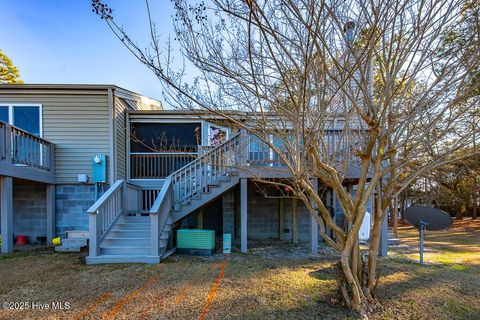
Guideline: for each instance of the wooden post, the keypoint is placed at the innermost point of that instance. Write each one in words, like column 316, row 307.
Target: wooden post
column 243, row 214
column 313, row 225
column 244, row 145
column 50, row 213
column 94, row 236
column 200, row 219
column 154, row 235
column 6, row 211
column 383, row 247
column 281, row 218
column 294, row 221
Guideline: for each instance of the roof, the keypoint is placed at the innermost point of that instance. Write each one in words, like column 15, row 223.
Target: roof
column 121, row 92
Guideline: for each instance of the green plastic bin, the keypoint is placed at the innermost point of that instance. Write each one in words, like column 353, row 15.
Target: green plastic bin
column 196, row 242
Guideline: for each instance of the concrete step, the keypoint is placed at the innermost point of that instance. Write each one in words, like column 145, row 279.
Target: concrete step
column 68, row 248
column 74, row 242
column 124, row 250
column 124, row 241
column 122, row 258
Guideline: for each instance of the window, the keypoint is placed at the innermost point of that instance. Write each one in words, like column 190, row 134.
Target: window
column 24, row 116
column 165, row 137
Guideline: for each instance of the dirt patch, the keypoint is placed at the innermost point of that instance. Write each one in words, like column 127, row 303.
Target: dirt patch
column 275, row 280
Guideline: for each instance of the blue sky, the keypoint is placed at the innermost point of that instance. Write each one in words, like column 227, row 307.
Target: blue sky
column 63, row 41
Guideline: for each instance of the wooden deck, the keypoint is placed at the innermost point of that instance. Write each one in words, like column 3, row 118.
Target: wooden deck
column 28, row 157
column 25, row 156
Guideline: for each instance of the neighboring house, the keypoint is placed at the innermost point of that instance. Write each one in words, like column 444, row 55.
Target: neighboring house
column 165, row 169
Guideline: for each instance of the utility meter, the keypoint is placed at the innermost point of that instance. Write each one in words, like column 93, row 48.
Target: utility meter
column 99, row 168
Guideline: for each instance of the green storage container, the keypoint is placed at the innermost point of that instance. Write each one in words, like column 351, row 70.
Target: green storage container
column 196, row 242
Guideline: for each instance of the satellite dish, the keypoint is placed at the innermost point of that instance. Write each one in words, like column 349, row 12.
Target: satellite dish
column 433, row 218
column 423, row 217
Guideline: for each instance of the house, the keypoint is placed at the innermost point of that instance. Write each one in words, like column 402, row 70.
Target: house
column 110, row 161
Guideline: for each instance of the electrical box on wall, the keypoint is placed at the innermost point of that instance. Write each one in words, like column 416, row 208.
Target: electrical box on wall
column 99, row 168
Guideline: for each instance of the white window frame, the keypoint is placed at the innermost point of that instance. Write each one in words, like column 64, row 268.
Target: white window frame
column 26, row 104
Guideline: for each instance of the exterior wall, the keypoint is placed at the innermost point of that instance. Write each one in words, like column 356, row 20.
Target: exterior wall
column 121, row 137
column 75, row 120
column 72, row 203
column 264, row 217
column 29, row 210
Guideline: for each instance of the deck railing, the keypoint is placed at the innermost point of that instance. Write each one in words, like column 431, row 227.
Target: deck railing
column 19, row 147
column 158, row 165
column 337, row 147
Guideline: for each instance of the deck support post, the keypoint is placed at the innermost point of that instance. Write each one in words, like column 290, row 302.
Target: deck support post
column 6, row 211
column 281, row 218
column 50, row 213
column 313, row 225
column 294, row 221
column 383, row 247
column 243, row 214
column 200, row 219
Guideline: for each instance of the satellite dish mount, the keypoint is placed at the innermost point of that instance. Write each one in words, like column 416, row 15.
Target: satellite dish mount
column 422, row 217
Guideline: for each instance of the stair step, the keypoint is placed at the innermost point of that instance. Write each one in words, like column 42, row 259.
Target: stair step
column 129, row 233
column 124, row 250
column 123, row 258
column 131, row 226
column 133, row 220
column 126, row 241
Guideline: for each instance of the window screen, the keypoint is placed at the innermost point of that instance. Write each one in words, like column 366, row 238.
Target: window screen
column 165, row 137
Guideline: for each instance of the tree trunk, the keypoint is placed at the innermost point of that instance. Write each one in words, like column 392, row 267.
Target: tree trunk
column 395, row 217
column 459, row 213
column 403, row 200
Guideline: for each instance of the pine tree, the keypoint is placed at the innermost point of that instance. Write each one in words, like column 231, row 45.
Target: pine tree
column 8, row 72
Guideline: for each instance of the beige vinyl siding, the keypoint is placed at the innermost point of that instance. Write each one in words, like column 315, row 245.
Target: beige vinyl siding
column 127, row 101
column 75, row 121
column 120, row 136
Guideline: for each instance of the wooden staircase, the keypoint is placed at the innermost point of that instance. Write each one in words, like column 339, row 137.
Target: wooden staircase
column 122, row 230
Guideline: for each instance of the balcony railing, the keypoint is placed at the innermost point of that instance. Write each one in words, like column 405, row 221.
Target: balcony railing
column 336, row 149
column 158, row 165
column 20, row 148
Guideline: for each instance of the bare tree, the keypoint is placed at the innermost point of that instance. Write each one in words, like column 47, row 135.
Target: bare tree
column 295, row 69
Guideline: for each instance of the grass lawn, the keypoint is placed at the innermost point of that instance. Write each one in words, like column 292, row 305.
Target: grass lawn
column 273, row 281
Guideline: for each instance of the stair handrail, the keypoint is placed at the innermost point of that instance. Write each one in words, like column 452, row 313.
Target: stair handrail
column 103, row 214
column 199, row 174
column 159, row 212
column 165, row 200
column 206, row 154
